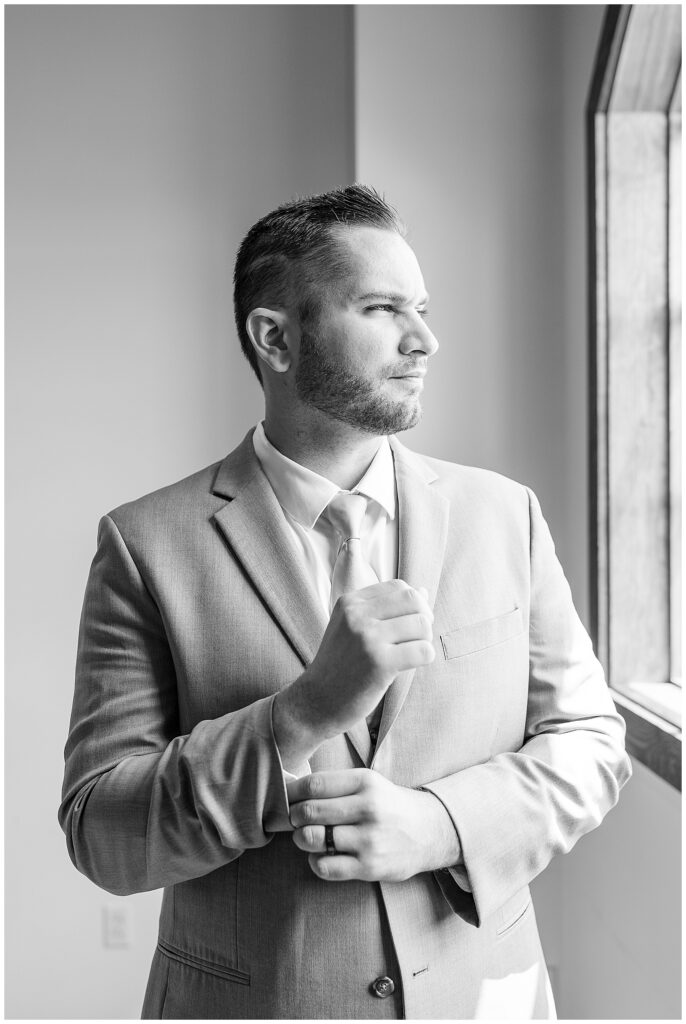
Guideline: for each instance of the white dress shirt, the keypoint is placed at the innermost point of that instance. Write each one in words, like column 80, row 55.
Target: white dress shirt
column 304, row 495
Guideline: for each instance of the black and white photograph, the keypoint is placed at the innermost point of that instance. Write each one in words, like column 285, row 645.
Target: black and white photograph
column 343, row 512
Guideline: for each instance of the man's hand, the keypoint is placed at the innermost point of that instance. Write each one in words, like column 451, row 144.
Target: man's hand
column 383, row 832
column 373, row 635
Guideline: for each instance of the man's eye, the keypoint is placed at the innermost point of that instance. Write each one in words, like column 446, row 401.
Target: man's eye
column 381, row 305
column 423, row 313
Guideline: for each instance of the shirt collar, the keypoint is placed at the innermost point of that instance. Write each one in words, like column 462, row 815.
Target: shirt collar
column 305, row 494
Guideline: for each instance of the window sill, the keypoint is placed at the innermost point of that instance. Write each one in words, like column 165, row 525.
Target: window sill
column 651, row 739
column 662, row 699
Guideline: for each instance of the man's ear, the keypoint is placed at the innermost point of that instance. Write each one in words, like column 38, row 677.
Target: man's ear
column 267, row 330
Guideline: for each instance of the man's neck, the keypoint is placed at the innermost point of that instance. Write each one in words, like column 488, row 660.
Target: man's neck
column 335, row 450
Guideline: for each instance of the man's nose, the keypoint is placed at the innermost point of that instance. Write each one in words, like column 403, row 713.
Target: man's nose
column 419, row 339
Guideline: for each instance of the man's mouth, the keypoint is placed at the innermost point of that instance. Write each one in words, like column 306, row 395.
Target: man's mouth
column 410, row 375
column 411, row 379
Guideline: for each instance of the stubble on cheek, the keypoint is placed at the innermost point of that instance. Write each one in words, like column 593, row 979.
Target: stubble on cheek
column 349, row 396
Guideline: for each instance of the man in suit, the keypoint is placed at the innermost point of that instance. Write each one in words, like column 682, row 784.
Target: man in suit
column 332, row 695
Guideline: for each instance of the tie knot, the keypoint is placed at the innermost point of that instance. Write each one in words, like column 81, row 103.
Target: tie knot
column 345, row 512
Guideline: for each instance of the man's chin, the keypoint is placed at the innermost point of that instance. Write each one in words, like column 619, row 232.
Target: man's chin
column 392, row 420
column 365, row 412
column 408, row 421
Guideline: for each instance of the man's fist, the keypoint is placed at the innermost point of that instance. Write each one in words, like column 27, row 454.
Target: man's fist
column 373, row 635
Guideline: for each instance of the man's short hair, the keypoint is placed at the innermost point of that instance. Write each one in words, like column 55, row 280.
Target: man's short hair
column 293, row 249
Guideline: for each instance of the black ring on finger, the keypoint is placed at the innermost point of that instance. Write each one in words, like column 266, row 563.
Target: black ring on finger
column 331, row 850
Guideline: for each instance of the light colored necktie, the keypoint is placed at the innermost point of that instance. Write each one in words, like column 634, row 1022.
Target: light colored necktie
column 351, row 570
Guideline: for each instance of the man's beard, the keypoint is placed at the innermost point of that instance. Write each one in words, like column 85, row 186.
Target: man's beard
column 351, row 398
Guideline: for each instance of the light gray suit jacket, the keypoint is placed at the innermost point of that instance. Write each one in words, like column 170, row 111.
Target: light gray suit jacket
column 195, row 614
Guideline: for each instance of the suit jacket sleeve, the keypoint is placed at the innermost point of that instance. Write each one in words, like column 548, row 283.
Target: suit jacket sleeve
column 516, row 811
column 142, row 806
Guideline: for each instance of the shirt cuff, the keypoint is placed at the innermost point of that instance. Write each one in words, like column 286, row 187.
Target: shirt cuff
column 458, row 871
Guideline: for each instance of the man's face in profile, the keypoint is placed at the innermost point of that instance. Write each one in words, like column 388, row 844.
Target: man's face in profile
column 363, row 358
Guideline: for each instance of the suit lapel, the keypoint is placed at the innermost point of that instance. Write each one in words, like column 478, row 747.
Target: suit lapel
column 422, row 532
column 253, row 523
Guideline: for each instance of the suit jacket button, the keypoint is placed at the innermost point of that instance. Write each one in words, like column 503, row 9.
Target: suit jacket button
column 383, row 987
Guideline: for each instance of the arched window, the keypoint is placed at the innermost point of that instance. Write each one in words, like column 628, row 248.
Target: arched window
column 634, row 130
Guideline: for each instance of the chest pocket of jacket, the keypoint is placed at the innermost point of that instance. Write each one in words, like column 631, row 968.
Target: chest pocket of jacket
column 478, row 636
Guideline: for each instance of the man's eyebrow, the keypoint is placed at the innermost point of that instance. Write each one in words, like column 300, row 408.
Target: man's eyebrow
column 390, row 297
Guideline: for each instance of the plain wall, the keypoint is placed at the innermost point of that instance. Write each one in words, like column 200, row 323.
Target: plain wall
column 471, row 118
column 142, row 142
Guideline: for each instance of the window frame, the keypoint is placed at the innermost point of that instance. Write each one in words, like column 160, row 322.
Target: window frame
column 632, row 116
